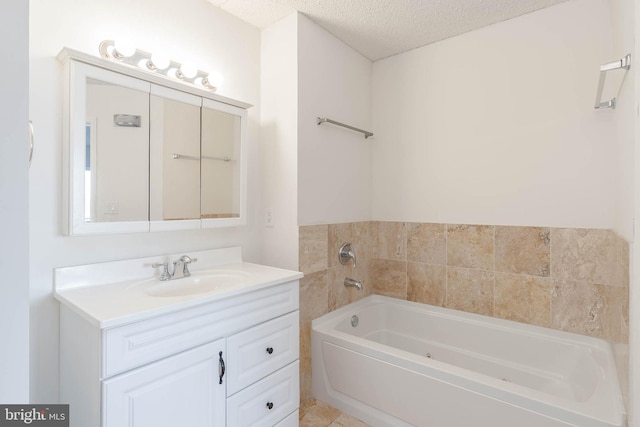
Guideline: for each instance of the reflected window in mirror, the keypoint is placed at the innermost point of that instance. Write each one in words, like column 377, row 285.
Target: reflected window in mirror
column 89, row 129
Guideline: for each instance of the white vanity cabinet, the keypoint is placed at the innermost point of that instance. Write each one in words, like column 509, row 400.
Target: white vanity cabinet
column 228, row 362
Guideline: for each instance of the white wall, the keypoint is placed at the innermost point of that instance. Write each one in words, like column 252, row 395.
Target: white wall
column 497, row 126
column 334, row 164
column 189, row 30
column 14, row 203
column 311, row 174
column 622, row 14
column 279, row 141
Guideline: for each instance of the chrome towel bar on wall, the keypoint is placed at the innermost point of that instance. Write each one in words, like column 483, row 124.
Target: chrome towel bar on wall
column 321, row 120
column 624, row 63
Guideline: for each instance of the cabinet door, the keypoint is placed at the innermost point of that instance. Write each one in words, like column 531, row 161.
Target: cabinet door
column 107, row 153
column 174, row 159
column 182, row 390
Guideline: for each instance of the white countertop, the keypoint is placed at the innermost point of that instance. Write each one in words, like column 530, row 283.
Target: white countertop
column 87, row 290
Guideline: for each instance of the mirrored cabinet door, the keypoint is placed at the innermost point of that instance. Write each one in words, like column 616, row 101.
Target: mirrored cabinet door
column 117, row 149
column 222, row 165
column 220, row 168
column 109, row 167
column 174, row 159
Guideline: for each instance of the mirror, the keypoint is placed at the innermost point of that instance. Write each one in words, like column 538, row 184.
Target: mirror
column 145, row 157
column 220, row 165
column 117, row 153
column 175, row 156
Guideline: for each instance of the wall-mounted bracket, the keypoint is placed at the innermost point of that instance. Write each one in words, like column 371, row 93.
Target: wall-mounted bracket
column 624, row 63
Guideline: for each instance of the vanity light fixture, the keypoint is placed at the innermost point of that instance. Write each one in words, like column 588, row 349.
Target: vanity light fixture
column 158, row 63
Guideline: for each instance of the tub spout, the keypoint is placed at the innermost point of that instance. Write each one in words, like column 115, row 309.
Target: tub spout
column 352, row 283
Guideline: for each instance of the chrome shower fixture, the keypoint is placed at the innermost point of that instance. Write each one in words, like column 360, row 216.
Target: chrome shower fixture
column 347, row 254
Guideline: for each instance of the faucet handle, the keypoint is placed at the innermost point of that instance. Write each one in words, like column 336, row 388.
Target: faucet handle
column 347, row 253
column 165, row 275
column 186, row 260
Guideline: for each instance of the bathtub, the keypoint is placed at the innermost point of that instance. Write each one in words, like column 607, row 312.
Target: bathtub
column 411, row 364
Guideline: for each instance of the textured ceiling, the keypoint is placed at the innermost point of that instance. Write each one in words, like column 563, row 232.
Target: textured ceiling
column 381, row 28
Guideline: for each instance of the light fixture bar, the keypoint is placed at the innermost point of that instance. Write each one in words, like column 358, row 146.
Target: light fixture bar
column 149, row 62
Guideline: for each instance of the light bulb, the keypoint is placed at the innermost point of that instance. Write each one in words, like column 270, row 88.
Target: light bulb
column 216, row 79
column 124, row 49
column 189, row 71
column 160, row 61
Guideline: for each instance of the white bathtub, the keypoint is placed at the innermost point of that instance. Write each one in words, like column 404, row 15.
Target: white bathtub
column 414, row 364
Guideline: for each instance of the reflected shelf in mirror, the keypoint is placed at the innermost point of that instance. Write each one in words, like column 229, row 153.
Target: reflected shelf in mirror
column 176, row 156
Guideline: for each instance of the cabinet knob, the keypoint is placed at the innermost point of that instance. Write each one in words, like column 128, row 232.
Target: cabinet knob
column 269, row 405
column 269, row 350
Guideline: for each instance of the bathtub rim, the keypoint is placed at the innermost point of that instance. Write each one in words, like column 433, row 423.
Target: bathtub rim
column 612, row 412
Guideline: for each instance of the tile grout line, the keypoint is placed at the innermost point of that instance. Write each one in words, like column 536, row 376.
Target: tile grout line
column 446, row 265
column 406, row 261
column 493, row 311
column 550, row 290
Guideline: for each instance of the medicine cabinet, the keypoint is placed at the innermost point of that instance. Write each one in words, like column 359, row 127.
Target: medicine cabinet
column 144, row 153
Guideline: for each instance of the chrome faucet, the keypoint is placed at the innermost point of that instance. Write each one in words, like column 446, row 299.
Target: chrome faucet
column 180, row 268
column 352, row 283
column 347, row 253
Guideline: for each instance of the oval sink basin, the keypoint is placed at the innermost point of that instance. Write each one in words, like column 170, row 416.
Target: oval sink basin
column 198, row 283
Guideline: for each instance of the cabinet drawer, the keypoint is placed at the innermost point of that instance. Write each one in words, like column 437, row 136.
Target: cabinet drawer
column 266, row 402
column 139, row 343
column 293, row 420
column 257, row 352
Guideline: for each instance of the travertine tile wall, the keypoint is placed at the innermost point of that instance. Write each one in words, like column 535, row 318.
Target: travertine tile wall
column 574, row 280
column 322, row 288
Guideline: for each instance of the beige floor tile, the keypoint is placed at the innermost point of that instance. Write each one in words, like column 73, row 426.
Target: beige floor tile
column 345, row 420
column 317, row 414
column 314, row 413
